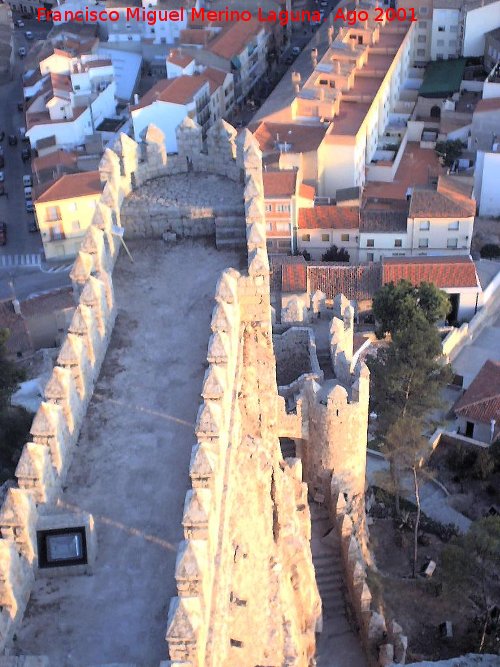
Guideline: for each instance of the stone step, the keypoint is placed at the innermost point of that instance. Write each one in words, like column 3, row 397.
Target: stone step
column 231, row 221
column 230, row 243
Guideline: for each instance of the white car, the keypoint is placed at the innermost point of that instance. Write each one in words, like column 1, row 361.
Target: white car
column 22, row 51
column 2, row 177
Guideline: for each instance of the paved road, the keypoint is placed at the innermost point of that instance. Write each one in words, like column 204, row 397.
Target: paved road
column 31, row 281
column 12, row 208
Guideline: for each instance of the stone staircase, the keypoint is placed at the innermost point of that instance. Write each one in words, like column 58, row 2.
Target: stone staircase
column 337, row 645
column 230, row 231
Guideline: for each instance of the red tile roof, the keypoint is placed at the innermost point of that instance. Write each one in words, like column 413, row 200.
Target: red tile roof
column 294, row 277
column 180, row 90
column 481, row 401
column 449, row 200
column 302, row 138
column 492, row 104
column 234, row 38
column 356, row 282
column 279, row 183
column 329, row 217
column 180, row 58
column 444, row 272
column 70, row 186
column 307, row 191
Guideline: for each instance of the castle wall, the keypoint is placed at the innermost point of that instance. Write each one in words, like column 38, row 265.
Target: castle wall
column 228, row 583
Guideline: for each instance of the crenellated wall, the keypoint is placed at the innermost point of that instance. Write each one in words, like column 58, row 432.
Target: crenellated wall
column 245, row 560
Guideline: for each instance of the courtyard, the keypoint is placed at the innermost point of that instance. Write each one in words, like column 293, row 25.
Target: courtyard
column 130, row 468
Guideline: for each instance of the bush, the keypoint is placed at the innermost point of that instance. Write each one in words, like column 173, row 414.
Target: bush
column 490, row 251
column 484, row 466
column 15, row 425
column 333, row 254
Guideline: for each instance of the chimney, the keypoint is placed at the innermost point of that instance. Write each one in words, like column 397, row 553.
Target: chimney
column 330, row 35
column 136, row 98
column 296, row 82
column 314, row 57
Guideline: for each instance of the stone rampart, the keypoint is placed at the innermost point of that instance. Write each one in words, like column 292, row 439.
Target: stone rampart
column 236, row 459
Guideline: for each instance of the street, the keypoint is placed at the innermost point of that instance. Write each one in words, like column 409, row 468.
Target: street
column 21, row 259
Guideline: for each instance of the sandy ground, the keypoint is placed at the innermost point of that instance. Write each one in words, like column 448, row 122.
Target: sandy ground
column 130, row 469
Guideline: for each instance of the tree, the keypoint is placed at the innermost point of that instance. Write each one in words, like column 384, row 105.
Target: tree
column 468, row 563
column 490, row 251
column 333, row 254
column 404, row 448
column 10, row 374
column 397, row 305
column 407, row 375
column 449, row 151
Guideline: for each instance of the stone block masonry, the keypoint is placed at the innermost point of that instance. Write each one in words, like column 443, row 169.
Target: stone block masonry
column 245, row 560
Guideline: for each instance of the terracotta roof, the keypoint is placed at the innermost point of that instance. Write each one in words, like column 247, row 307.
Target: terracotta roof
column 70, row 186
column 279, row 183
column 218, row 76
column 302, row 138
column 195, row 36
column 276, row 262
column 492, row 104
column 444, row 272
column 52, row 160
column 176, row 91
column 178, row 57
column 294, row 277
column 234, row 38
column 329, row 217
column 380, row 221
column 481, row 401
column 356, row 282
column 307, row 191
column 441, row 204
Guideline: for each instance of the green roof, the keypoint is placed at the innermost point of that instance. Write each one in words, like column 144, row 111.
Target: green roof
column 442, row 78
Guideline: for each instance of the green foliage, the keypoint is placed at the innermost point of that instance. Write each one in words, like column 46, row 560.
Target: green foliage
column 397, row 306
column 490, row 251
column 306, row 255
column 449, row 151
column 15, row 425
column 484, row 465
column 10, row 374
column 406, row 376
column 333, row 254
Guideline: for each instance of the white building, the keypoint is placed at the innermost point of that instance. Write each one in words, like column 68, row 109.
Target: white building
column 485, row 139
column 76, row 95
column 168, row 102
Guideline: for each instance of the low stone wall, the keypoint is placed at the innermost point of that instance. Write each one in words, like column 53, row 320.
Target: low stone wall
column 384, row 643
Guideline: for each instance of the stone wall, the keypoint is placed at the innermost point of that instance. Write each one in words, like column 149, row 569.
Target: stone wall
column 245, row 561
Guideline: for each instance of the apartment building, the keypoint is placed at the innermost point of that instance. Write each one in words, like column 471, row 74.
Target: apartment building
column 350, row 98
column 64, row 209
column 168, row 102
column 74, row 95
column 491, row 49
column 485, row 140
column 181, row 63
column 435, row 221
column 285, row 196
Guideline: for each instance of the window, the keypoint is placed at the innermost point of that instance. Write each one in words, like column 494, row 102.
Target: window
column 53, row 213
column 73, row 206
column 76, row 87
column 344, row 238
column 269, row 208
column 398, row 243
column 75, row 226
column 423, row 11
column 370, row 243
column 423, row 243
column 283, row 208
column 422, row 25
column 420, row 52
column 453, row 226
column 441, row 28
column 440, row 42
column 422, row 39
column 453, row 28
column 452, row 243
column 323, row 82
column 452, row 43
column 439, row 56
column 370, row 256
column 325, row 238
column 306, row 237
column 282, row 227
column 425, row 225
column 269, row 226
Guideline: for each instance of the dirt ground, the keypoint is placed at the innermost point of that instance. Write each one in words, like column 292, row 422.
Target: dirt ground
column 414, row 603
column 486, row 230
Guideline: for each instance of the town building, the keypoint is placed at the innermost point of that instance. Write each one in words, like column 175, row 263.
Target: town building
column 64, row 210
column 478, row 409
column 485, row 140
column 345, row 110
column 323, row 226
column 285, row 198
column 491, row 49
column 73, row 97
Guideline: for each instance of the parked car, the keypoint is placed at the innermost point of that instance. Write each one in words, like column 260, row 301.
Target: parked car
column 296, row 50
column 27, row 181
column 26, row 15
column 29, row 206
column 26, row 154
column 20, row 106
column 19, row 23
column 12, row 140
column 32, row 226
column 27, row 193
column 29, row 35
column 21, row 51
column 2, row 177
column 3, row 233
